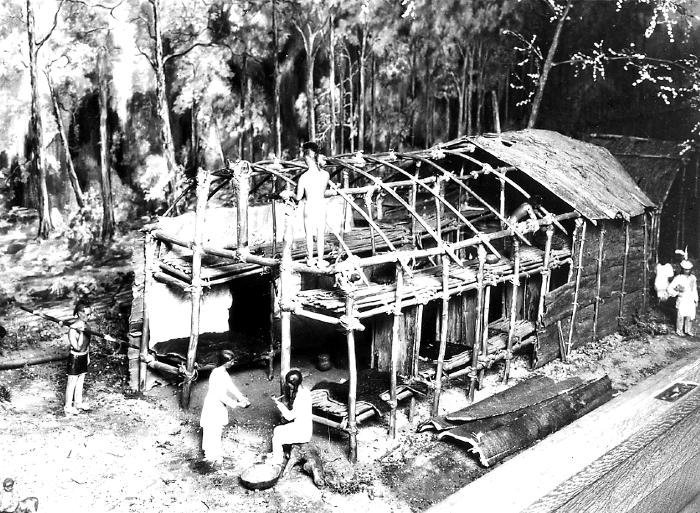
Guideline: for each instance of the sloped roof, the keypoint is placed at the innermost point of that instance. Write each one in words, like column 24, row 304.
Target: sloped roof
column 652, row 163
column 586, row 176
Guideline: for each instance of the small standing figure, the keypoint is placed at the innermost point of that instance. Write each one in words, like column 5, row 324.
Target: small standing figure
column 312, row 188
column 296, row 410
column 222, row 393
column 79, row 339
column 9, row 500
column 684, row 288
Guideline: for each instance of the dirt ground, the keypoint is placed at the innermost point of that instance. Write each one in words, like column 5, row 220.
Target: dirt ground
column 140, row 453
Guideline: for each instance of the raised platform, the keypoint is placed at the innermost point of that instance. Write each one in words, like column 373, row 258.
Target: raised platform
column 636, row 454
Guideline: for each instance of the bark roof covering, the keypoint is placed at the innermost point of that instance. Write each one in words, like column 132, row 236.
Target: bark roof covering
column 652, row 163
column 584, row 175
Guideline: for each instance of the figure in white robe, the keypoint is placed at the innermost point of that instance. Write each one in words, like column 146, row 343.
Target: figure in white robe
column 684, row 288
column 297, row 413
column 222, row 393
column 664, row 274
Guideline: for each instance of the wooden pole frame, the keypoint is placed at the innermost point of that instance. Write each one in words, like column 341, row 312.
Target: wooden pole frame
column 149, row 247
column 285, row 300
column 513, row 307
column 485, row 331
column 417, row 339
column 473, row 375
column 599, row 273
column 645, row 267
column 352, row 367
column 443, row 334
column 395, row 335
column 625, row 263
column 546, row 274
column 579, row 267
column 203, row 179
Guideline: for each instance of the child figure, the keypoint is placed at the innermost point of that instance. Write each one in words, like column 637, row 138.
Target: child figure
column 684, row 288
column 78, row 360
column 9, row 500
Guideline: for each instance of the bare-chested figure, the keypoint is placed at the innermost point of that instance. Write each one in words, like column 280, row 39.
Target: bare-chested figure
column 311, row 188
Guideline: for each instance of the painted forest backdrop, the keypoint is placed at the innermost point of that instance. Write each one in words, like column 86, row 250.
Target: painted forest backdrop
column 105, row 99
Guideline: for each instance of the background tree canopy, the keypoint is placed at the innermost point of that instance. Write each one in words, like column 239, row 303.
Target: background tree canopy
column 131, row 96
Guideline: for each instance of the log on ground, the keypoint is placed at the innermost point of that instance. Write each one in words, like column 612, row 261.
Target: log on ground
column 495, row 438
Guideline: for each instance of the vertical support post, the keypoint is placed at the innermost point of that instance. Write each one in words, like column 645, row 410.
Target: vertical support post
column 513, row 307
column 473, row 375
column 368, row 206
column 575, row 244
column 241, row 175
column 625, row 260
column 149, row 257
column 645, row 268
column 395, row 334
column 416, row 342
column 203, row 179
column 347, row 210
column 443, row 333
column 286, row 291
column 271, row 331
column 502, row 202
column 352, row 391
column 657, row 231
column 599, row 272
column 414, row 195
column 273, row 207
column 485, row 331
column 680, row 230
column 582, row 239
column 546, row 274
column 439, row 207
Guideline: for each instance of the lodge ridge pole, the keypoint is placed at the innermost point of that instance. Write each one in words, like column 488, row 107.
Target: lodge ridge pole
column 203, row 179
column 513, row 307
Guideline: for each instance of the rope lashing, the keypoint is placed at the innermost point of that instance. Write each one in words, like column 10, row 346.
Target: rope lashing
column 349, row 323
column 188, row 376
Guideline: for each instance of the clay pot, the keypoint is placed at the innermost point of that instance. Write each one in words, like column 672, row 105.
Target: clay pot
column 323, row 362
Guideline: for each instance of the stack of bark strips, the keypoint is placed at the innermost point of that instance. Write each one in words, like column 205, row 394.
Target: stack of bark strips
column 518, row 417
column 496, row 349
column 329, row 399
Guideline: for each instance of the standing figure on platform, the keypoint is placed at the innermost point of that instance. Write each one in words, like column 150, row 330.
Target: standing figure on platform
column 312, row 188
column 684, row 288
column 78, row 360
column 296, row 410
column 222, row 393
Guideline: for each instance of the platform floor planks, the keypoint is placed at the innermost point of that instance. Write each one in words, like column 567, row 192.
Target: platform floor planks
column 574, row 461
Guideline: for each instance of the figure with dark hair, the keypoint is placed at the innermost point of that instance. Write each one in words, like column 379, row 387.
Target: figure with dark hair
column 312, row 188
column 78, row 359
column 527, row 209
column 296, row 411
column 9, row 500
column 222, row 392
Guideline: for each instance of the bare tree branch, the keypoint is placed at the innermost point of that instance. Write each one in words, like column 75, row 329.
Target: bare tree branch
column 41, row 42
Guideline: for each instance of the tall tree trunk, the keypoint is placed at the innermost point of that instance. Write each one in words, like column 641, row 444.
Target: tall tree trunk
column 310, row 58
column 470, row 92
column 480, row 90
column 542, row 82
column 373, row 121
column 249, row 102
column 448, row 117
column 194, row 135
column 105, row 178
column 36, row 133
column 362, row 105
column 461, row 95
column 278, row 117
column 352, row 108
column 242, row 104
column 496, row 113
column 72, row 176
column 166, row 134
column 341, row 107
column 331, row 82
column 428, row 88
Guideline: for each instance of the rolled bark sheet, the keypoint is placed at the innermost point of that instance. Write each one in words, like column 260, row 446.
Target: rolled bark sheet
column 495, row 438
